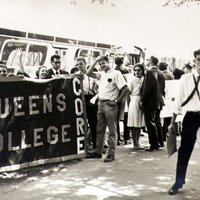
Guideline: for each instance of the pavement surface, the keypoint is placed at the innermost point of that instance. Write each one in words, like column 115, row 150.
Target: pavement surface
column 134, row 175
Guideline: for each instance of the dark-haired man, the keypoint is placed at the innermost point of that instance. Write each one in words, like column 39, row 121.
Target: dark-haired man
column 90, row 90
column 122, row 116
column 188, row 99
column 152, row 92
column 55, row 70
column 112, row 89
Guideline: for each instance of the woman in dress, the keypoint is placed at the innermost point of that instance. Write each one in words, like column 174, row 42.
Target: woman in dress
column 135, row 113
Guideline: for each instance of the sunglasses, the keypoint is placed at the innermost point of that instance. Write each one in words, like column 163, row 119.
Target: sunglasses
column 57, row 62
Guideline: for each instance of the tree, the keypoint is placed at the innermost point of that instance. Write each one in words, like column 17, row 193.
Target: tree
column 103, row 2
column 178, row 3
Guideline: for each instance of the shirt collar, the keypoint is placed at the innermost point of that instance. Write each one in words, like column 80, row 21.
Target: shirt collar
column 54, row 71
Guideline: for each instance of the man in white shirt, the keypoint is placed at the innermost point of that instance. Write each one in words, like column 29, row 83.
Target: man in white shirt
column 188, row 99
column 112, row 89
column 89, row 87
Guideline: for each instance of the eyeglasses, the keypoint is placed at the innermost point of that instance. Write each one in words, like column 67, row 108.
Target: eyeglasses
column 57, row 62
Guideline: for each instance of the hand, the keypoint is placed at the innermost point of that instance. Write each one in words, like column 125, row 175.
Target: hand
column 19, row 52
column 171, row 129
column 141, row 105
column 111, row 103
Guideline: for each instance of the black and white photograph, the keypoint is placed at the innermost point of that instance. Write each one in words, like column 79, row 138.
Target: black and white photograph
column 99, row 99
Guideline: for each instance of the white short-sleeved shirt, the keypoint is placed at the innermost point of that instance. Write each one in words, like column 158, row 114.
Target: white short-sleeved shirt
column 186, row 87
column 110, row 83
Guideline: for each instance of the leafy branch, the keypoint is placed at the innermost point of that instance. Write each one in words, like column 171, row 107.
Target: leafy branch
column 102, row 2
column 179, row 3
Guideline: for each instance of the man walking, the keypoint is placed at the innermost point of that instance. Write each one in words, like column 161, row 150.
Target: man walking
column 112, row 89
column 187, row 99
column 152, row 92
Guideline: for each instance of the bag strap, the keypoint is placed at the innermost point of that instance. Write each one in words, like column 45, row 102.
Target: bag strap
column 193, row 91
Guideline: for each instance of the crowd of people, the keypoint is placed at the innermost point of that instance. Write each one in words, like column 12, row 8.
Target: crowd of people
column 134, row 95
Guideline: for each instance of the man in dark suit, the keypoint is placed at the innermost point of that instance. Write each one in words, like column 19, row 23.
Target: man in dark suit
column 55, row 70
column 152, row 92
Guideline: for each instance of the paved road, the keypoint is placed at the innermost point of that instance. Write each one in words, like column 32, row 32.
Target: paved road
column 135, row 175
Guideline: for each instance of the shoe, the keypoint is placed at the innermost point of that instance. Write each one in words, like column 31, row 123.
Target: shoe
column 152, row 148
column 174, row 189
column 109, row 158
column 162, row 145
column 149, row 149
column 93, row 155
column 138, row 148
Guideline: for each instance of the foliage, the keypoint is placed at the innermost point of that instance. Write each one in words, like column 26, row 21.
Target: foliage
column 102, row 2
column 178, row 3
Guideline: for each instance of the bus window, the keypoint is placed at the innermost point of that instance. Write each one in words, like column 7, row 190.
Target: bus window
column 36, row 55
column 9, row 54
column 95, row 54
column 83, row 53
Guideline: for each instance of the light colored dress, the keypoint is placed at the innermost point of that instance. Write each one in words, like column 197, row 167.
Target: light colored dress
column 135, row 114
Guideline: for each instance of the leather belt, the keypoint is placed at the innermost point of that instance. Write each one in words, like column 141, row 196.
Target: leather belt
column 104, row 100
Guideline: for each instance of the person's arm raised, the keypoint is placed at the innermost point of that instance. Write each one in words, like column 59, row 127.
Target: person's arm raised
column 90, row 71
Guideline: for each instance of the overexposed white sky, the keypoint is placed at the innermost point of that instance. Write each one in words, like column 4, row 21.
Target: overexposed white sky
column 165, row 31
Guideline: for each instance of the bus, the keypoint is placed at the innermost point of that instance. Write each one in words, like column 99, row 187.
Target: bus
column 37, row 50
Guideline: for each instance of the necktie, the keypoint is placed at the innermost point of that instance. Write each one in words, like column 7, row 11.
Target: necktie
column 196, row 82
column 57, row 73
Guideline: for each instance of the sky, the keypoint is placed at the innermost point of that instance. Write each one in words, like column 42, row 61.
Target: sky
column 163, row 31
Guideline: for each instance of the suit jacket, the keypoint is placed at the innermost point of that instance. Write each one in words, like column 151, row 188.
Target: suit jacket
column 51, row 73
column 153, row 89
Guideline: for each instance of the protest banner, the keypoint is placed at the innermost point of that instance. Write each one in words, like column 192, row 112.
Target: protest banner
column 41, row 121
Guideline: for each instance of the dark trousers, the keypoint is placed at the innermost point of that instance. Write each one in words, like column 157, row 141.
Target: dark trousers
column 91, row 110
column 191, row 124
column 154, row 128
column 167, row 121
column 126, row 129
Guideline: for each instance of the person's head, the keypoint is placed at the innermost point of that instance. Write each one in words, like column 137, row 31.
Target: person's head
column 74, row 70
column 119, row 60
column 138, row 70
column 81, row 64
column 197, row 60
column 187, row 68
column 56, row 61
column 178, row 73
column 3, row 69
column 153, row 61
column 162, row 66
column 42, row 72
column 104, row 63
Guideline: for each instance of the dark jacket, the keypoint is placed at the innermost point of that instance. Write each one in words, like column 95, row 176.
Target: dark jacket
column 153, row 89
column 51, row 72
